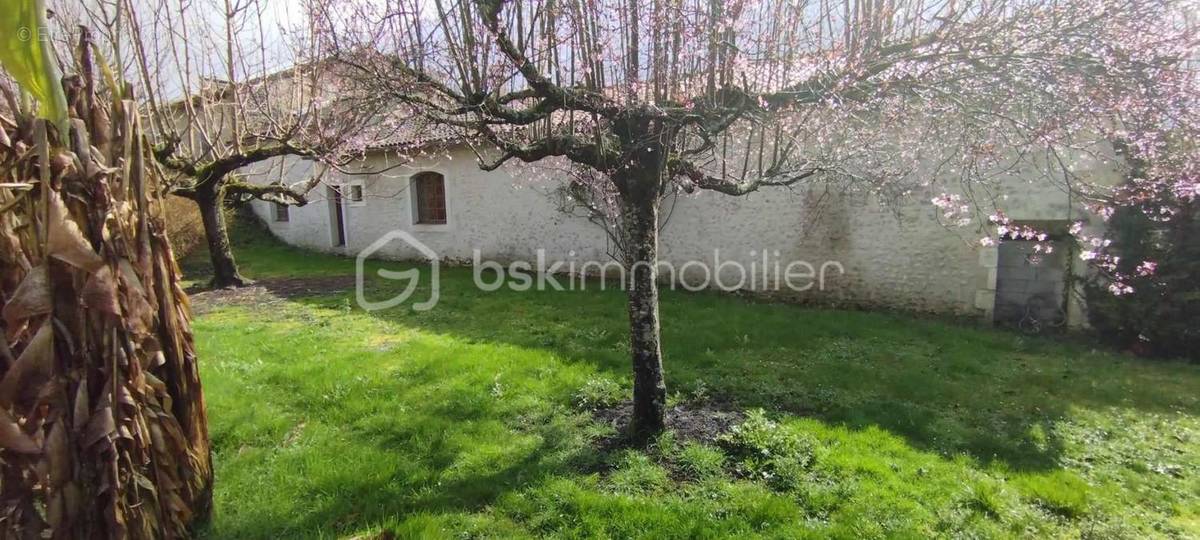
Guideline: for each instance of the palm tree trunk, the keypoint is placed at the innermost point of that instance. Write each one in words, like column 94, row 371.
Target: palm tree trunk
column 103, row 432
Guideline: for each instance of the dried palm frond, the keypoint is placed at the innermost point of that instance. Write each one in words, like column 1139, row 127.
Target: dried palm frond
column 103, row 431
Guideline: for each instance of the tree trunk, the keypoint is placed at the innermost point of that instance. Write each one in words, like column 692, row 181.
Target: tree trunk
column 212, row 205
column 640, row 224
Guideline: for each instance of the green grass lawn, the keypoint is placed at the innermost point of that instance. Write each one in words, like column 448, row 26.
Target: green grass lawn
column 472, row 420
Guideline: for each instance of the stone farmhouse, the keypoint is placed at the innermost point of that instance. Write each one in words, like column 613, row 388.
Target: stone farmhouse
column 853, row 251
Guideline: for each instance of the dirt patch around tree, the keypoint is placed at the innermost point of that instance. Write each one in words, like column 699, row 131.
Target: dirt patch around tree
column 691, row 421
column 266, row 292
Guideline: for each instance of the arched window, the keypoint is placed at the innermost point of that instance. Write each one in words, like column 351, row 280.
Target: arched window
column 429, row 198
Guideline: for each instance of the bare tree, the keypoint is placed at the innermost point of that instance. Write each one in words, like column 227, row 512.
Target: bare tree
column 891, row 97
column 228, row 84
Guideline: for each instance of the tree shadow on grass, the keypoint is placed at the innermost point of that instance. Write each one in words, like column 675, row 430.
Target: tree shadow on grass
column 946, row 388
column 348, row 504
column 375, row 500
column 410, row 437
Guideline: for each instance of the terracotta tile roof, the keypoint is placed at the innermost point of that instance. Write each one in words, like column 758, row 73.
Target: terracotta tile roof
column 415, row 132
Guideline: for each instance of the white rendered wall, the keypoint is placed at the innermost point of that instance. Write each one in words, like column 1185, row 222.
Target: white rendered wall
column 892, row 257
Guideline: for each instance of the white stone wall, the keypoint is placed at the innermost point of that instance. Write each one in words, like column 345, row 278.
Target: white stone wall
column 484, row 211
column 892, row 257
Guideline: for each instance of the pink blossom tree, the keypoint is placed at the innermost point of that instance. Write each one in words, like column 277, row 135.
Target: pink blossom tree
column 892, row 97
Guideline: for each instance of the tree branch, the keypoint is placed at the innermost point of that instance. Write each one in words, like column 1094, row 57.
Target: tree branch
column 278, row 193
column 703, row 180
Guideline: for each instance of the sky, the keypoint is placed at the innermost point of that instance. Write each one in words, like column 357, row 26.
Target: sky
column 164, row 23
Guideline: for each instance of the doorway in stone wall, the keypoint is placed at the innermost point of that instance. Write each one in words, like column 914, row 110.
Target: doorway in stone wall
column 1031, row 286
column 337, row 216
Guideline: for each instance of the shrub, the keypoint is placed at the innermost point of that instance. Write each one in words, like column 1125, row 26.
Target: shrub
column 185, row 230
column 763, row 448
column 599, row 393
column 1159, row 317
column 759, row 436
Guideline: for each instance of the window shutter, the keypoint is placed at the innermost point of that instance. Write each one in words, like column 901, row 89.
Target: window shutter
column 431, row 199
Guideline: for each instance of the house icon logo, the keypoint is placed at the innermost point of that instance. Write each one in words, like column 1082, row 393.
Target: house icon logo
column 412, row 276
